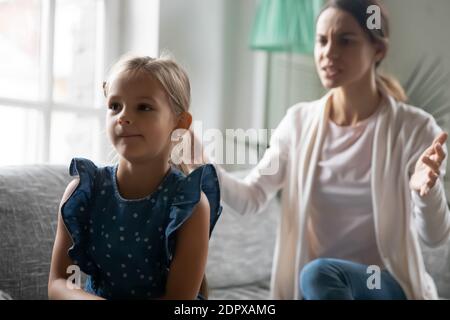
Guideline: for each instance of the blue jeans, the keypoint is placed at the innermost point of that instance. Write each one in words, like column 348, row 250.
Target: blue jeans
column 334, row 279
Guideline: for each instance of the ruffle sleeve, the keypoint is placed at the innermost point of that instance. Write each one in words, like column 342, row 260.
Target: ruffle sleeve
column 76, row 216
column 186, row 198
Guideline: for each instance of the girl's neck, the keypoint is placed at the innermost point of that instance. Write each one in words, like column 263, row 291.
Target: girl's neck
column 137, row 180
column 354, row 103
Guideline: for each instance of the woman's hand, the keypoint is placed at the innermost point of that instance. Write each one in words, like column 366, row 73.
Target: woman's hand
column 427, row 167
column 193, row 155
column 198, row 155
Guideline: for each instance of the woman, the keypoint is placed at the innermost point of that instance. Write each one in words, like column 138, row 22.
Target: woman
column 361, row 174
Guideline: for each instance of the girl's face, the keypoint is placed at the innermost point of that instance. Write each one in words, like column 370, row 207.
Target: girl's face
column 343, row 52
column 139, row 119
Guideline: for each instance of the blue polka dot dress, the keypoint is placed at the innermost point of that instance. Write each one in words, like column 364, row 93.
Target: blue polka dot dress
column 126, row 246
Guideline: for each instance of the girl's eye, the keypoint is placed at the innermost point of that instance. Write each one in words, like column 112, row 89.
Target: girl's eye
column 345, row 41
column 145, row 107
column 114, row 106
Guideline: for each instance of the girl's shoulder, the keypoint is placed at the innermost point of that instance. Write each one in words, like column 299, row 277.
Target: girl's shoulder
column 76, row 211
column 87, row 169
column 203, row 175
column 91, row 176
column 188, row 188
column 187, row 191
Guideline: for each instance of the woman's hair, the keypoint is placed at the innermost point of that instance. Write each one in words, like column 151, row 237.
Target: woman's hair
column 358, row 9
column 170, row 75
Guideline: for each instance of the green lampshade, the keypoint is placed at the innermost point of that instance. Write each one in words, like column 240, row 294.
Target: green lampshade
column 285, row 25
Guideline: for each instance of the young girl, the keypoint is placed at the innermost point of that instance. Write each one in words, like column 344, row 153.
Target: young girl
column 361, row 172
column 138, row 229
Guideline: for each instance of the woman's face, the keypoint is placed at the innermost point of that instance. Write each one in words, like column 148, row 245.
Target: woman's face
column 343, row 52
column 139, row 118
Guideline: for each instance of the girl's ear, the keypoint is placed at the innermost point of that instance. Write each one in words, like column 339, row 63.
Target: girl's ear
column 184, row 120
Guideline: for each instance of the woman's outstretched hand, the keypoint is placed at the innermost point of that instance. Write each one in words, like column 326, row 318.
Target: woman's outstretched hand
column 427, row 167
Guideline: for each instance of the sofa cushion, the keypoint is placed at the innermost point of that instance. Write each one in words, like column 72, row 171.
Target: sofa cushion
column 4, row 296
column 29, row 200
column 241, row 247
column 254, row 291
column 437, row 262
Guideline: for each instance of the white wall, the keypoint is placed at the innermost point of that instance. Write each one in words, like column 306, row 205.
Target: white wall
column 131, row 26
column 420, row 35
column 210, row 39
column 193, row 31
column 244, row 84
column 139, row 24
column 420, row 30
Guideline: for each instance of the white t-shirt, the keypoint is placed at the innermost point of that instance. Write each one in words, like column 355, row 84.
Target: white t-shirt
column 342, row 223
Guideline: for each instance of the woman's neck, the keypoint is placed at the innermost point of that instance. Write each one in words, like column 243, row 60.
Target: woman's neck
column 354, row 103
column 137, row 180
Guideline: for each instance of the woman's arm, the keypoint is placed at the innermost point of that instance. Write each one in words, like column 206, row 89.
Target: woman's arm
column 432, row 216
column 251, row 194
column 57, row 283
column 189, row 262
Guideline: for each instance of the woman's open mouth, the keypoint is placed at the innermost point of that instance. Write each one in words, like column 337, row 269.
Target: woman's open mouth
column 331, row 72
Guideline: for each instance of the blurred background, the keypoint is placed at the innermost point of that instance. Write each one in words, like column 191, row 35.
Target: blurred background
column 245, row 63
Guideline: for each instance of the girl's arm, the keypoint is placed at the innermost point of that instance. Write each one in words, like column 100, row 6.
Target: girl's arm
column 188, row 265
column 57, row 282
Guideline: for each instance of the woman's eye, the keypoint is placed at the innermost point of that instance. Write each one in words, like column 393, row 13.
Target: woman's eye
column 322, row 41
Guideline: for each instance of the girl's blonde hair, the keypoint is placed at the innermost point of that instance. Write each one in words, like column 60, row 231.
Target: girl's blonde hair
column 358, row 9
column 170, row 75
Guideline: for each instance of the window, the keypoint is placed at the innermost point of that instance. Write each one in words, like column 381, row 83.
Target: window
column 52, row 62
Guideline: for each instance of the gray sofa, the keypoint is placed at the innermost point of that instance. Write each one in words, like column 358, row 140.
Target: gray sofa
column 240, row 254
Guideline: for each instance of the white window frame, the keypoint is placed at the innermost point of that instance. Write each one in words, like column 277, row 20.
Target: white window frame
column 108, row 35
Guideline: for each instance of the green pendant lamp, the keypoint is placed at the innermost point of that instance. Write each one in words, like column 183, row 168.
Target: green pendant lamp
column 285, row 26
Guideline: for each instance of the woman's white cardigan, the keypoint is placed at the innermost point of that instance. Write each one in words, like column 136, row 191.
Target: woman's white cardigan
column 402, row 133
